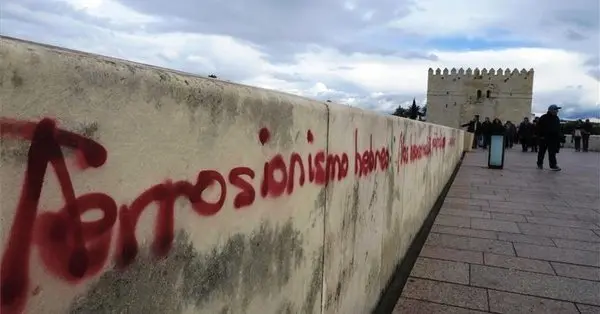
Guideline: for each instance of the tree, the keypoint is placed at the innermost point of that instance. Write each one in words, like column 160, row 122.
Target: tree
column 424, row 111
column 414, row 111
column 400, row 112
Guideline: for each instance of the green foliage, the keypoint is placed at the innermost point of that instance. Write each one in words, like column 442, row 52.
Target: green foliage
column 400, row 112
column 412, row 112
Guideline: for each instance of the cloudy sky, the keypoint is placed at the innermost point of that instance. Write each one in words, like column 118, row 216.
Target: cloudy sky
column 368, row 53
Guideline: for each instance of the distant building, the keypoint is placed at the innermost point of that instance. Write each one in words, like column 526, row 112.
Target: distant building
column 455, row 96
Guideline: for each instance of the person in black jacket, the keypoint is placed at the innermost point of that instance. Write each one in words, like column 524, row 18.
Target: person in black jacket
column 474, row 126
column 526, row 134
column 496, row 128
column 486, row 130
column 549, row 134
column 534, row 140
column 585, row 135
column 511, row 130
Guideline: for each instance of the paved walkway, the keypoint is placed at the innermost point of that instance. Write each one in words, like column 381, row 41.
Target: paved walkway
column 518, row 240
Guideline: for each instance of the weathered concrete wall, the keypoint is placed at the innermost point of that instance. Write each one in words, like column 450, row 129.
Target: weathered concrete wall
column 594, row 145
column 455, row 96
column 129, row 188
column 468, row 142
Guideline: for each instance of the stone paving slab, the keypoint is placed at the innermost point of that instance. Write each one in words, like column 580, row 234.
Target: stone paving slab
column 516, row 240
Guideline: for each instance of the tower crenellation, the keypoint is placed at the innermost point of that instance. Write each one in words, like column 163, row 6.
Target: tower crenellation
column 454, row 95
column 505, row 73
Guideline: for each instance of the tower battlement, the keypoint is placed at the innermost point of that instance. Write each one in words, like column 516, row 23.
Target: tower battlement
column 474, row 73
column 455, row 95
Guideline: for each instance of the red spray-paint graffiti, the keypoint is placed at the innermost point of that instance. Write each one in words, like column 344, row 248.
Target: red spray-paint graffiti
column 73, row 249
column 70, row 243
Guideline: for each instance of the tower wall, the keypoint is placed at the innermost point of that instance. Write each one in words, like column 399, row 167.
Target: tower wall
column 454, row 96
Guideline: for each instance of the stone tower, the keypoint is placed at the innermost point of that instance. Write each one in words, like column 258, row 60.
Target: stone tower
column 454, row 96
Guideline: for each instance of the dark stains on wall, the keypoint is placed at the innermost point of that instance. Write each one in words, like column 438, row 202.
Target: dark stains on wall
column 373, row 283
column 17, row 80
column 17, row 150
column 334, row 298
column 316, row 285
column 148, row 286
column 316, row 214
column 225, row 103
column 87, row 129
column 286, row 307
column 272, row 256
column 245, row 267
column 13, row 150
column 373, row 194
column 348, row 231
column 279, row 121
column 321, row 198
column 392, row 193
column 352, row 220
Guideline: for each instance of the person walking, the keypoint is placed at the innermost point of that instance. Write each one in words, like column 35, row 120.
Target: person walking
column 497, row 128
column 511, row 130
column 534, row 139
column 585, row 135
column 548, row 134
column 474, row 126
column 576, row 136
column 486, row 130
column 525, row 134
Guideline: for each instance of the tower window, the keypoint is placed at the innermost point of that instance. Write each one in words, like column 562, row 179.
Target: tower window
column 478, row 93
column 488, row 93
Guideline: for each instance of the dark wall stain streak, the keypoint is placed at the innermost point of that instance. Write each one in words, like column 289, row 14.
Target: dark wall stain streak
column 16, row 79
column 246, row 265
column 316, row 284
column 17, row 150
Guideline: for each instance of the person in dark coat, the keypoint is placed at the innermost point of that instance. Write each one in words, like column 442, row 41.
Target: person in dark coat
column 496, row 128
column 474, row 126
column 576, row 136
column 585, row 135
column 511, row 130
column 486, row 128
column 534, row 140
column 525, row 134
column 548, row 130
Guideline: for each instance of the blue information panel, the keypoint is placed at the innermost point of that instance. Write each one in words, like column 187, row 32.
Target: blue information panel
column 496, row 153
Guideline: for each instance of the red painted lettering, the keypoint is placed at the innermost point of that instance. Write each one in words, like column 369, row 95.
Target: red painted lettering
column 73, row 249
column 247, row 195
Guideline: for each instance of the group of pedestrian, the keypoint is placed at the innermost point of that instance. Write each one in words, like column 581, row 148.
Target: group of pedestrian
column 484, row 130
column 542, row 135
column 527, row 136
column 581, row 135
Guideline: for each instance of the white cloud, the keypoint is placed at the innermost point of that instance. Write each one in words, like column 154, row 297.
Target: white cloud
column 112, row 11
column 371, row 79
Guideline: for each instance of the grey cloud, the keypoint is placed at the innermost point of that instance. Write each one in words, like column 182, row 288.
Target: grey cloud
column 593, row 61
column 293, row 77
column 283, row 29
column 575, row 36
column 584, row 14
column 575, row 111
column 595, row 73
column 270, row 21
column 593, row 65
column 420, row 55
